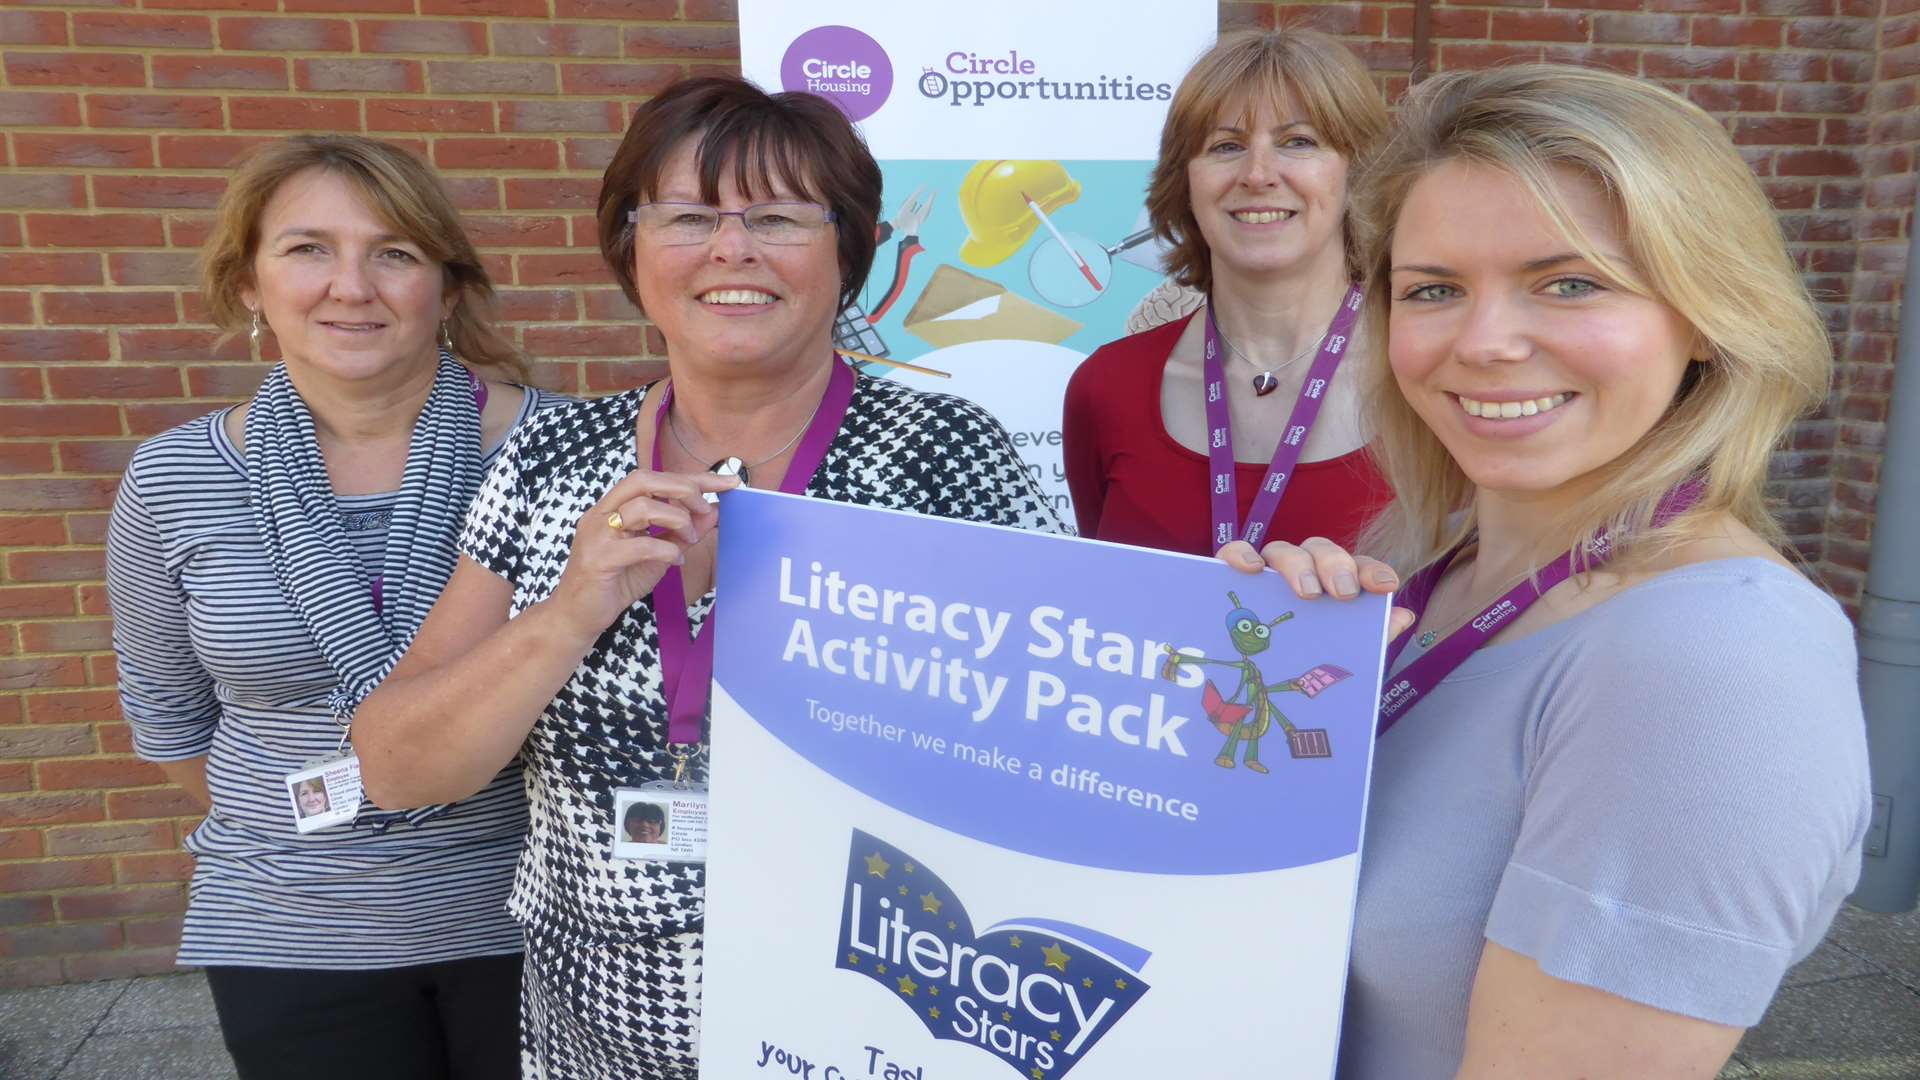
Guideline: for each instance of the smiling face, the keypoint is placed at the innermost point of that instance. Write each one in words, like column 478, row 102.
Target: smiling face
column 735, row 300
column 344, row 295
column 1529, row 364
column 1268, row 193
column 312, row 799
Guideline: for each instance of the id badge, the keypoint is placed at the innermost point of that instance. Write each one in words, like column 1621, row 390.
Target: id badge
column 662, row 821
column 325, row 793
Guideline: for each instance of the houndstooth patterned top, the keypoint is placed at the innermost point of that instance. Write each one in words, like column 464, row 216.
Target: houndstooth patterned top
column 607, row 727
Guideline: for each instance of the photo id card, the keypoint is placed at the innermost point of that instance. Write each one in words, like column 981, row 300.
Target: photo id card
column 325, row 793
column 660, row 821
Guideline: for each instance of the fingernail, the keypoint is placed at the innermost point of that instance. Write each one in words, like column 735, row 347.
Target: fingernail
column 1345, row 584
column 1380, row 575
column 1309, row 586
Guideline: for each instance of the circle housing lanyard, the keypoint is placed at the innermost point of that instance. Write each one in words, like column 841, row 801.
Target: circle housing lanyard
column 1306, row 407
column 1418, row 678
column 686, row 661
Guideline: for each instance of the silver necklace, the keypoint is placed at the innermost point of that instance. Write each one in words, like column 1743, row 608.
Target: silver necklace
column 733, row 466
column 1265, row 382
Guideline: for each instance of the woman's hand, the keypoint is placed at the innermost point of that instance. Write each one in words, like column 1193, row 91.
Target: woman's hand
column 617, row 560
column 1318, row 566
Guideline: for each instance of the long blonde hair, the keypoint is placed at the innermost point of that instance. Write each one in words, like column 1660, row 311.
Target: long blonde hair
column 1701, row 237
column 401, row 191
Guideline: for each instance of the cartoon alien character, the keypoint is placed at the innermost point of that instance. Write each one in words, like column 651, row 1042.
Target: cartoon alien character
column 1247, row 713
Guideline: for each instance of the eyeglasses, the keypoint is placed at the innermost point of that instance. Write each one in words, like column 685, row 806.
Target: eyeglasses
column 679, row 223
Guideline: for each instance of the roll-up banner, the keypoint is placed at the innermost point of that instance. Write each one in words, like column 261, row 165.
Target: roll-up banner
column 1016, row 140
column 1095, row 813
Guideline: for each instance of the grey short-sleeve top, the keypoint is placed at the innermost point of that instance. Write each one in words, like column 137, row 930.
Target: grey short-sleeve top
column 1663, row 797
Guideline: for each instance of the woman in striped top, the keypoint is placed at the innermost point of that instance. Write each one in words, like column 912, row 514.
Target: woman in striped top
column 267, row 564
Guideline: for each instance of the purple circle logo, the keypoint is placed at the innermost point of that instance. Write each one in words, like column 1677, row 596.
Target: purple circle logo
column 842, row 65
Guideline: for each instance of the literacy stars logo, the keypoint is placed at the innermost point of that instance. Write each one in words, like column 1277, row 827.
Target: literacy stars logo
column 1036, row 993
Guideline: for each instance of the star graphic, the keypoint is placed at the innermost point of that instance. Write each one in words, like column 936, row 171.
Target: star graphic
column 1056, row 956
column 930, row 903
column 1037, row 1074
column 1119, row 984
column 1088, row 983
column 907, row 985
column 951, row 925
column 903, row 890
column 934, row 990
column 1007, row 1016
column 1054, row 1035
column 1014, row 941
column 881, row 968
column 909, row 868
column 877, row 866
column 934, row 1012
column 853, row 958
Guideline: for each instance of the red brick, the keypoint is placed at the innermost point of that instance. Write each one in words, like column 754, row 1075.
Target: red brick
column 286, row 35
column 21, row 384
column 360, row 76
column 153, row 111
column 562, row 270
column 186, row 192
column 723, row 42
column 1752, row 33
column 107, row 457
column 53, row 346
column 178, row 346
column 214, row 5
column 111, row 839
column 560, row 116
column 34, row 601
column 534, row 305
column 19, row 741
column 552, row 341
column 76, row 69
column 514, row 231
column 147, row 419
column 73, row 706
column 1816, row 163
column 1688, row 63
column 610, row 305
column 509, row 8
column 21, row 910
column 1700, row 7
column 115, row 739
column 379, row 7
column 143, row 31
column 154, row 932
column 225, row 380
column 205, row 151
column 166, row 802
column 21, row 844
column 28, row 109
column 124, row 964
column 1517, row 26
column 81, row 635
column 33, row 971
column 93, row 600
column 86, row 565
column 1790, row 7
column 90, row 528
column 93, row 308
column 296, row 114
column 42, row 190
column 415, row 114
column 1483, row 55
column 591, row 154
column 1783, row 67
column 545, row 194
column 517, row 154
column 223, row 72
column 555, row 39
column 55, row 940
column 490, row 77
column 624, row 79
column 50, row 808
column 118, row 903
column 1777, row 131
column 54, row 420
column 16, row 307
column 92, row 149
column 96, row 773
column 151, row 268
column 168, row 866
column 1830, row 34
column 1733, row 97
column 95, row 230
column 18, row 531
column 418, row 36
column 1822, row 99
column 616, row 9
column 115, row 382
column 33, row 28
column 607, row 377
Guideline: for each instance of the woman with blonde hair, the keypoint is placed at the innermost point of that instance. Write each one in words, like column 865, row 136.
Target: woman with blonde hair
column 267, row 563
column 1229, row 423
column 1621, row 780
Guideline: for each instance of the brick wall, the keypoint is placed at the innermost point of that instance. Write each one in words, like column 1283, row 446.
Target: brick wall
column 119, row 117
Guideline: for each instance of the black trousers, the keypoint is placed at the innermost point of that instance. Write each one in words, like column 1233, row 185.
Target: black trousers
column 456, row 1020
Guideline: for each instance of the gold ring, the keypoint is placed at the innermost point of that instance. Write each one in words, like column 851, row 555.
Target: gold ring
column 616, row 522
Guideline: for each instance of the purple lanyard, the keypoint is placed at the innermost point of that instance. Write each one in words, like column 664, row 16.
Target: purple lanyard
column 686, row 661
column 379, row 583
column 1305, row 408
column 1418, row 678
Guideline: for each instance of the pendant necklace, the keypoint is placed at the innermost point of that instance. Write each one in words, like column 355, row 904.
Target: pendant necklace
column 1265, row 382
column 733, row 466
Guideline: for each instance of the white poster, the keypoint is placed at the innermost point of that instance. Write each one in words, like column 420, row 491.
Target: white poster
column 1016, row 140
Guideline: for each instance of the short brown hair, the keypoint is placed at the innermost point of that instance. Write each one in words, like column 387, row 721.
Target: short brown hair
column 801, row 138
column 1306, row 67
column 404, row 193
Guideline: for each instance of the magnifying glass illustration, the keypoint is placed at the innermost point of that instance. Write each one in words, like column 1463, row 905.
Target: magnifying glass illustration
column 1070, row 270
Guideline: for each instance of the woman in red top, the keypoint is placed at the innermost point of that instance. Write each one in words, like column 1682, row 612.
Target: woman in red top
column 1251, row 192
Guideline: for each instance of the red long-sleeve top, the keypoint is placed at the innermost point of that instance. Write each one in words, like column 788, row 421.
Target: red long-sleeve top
column 1133, row 483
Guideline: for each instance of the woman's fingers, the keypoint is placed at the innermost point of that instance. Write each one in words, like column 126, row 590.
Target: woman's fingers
column 638, row 515
column 1240, row 555
column 1399, row 622
column 686, row 489
column 1376, row 576
column 1296, row 564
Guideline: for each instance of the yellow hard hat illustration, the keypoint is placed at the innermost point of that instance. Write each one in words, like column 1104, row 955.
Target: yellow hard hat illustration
column 993, row 203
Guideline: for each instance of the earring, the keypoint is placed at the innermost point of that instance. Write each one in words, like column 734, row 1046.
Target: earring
column 253, row 335
column 446, row 338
